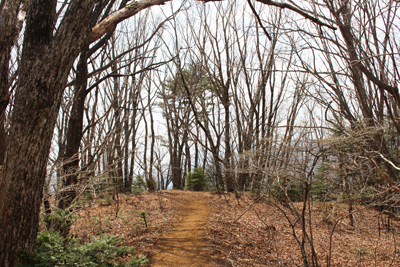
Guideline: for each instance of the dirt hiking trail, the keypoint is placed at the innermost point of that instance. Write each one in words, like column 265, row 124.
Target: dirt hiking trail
column 185, row 244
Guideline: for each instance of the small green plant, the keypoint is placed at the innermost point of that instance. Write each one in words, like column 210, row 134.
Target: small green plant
column 102, row 222
column 367, row 195
column 295, row 194
column 118, row 209
column 63, row 219
column 89, row 195
column 53, row 250
column 327, row 217
column 197, row 180
column 139, row 185
column 143, row 217
column 360, row 251
column 292, row 193
column 249, row 186
column 105, row 200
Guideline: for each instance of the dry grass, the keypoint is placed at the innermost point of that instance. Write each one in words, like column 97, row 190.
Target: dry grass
column 261, row 237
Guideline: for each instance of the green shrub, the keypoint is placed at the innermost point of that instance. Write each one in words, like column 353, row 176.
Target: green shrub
column 139, row 185
column 197, row 180
column 294, row 193
column 211, row 176
column 54, row 250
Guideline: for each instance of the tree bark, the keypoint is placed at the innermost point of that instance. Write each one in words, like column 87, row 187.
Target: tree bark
column 74, row 135
column 43, row 71
column 9, row 33
column 36, row 105
column 119, row 183
column 153, row 137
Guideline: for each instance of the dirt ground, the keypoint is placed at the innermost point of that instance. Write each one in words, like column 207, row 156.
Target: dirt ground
column 176, row 233
column 256, row 233
column 185, row 244
column 183, row 228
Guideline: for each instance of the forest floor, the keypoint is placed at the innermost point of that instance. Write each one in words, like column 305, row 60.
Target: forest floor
column 207, row 229
column 186, row 244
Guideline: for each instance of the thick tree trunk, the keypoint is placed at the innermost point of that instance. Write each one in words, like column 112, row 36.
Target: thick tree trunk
column 44, row 67
column 3, row 141
column 43, row 71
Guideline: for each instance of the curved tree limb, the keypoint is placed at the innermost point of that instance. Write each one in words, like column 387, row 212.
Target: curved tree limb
column 298, row 11
column 120, row 15
column 288, row 6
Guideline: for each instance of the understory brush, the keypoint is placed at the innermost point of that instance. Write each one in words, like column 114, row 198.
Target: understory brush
column 54, row 250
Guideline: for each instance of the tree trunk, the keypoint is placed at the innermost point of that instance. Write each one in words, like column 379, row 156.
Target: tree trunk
column 148, row 177
column 9, row 33
column 74, row 136
column 229, row 179
column 196, row 150
column 153, row 137
column 188, row 157
column 118, row 130
column 3, row 141
column 129, row 181
column 36, row 106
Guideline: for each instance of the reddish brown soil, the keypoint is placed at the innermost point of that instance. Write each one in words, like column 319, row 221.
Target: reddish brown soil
column 185, row 244
column 203, row 229
column 177, row 233
column 255, row 233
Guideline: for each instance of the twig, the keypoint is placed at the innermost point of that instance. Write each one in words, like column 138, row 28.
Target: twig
column 332, row 231
column 390, row 162
column 258, row 19
column 244, row 212
column 394, row 253
column 392, row 215
column 144, row 218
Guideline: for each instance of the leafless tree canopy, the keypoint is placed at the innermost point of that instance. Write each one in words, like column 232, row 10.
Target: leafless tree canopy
column 296, row 100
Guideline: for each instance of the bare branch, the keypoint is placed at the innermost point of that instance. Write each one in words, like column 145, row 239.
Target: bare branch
column 298, row 11
column 392, row 215
column 390, row 162
column 118, row 16
column 259, row 19
column 283, row 6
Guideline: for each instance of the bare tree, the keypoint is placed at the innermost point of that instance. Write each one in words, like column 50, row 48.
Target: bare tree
column 50, row 53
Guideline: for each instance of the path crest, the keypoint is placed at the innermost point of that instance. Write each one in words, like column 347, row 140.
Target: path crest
column 186, row 245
